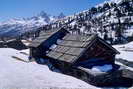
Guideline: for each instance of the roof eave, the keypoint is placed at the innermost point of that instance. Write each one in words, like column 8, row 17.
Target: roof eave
column 116, row 51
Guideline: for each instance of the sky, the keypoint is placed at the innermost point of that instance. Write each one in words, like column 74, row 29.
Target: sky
column 28, row 8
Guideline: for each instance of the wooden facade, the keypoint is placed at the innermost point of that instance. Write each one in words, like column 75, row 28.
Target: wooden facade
column 75, row 54
column 41, row 44
column 16, row 44
column 73, row 48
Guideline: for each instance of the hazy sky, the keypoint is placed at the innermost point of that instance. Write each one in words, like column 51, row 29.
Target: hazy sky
column 27, row 8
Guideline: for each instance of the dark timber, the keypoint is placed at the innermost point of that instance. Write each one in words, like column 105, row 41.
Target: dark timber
column 75, row 54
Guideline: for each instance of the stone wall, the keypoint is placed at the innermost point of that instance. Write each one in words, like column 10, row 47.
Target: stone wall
column 111, row 79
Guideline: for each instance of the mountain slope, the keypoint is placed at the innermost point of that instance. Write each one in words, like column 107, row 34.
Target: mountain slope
column 111, row 20
column 15, row 27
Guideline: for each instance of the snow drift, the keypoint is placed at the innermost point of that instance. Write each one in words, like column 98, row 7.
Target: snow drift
column 18, row 74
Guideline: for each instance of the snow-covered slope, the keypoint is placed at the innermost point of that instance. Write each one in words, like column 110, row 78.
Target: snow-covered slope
column 15, row 74
column 112, row 19
column 30, row 75
column 126, row 51
column 116, row 1
column 125, row 58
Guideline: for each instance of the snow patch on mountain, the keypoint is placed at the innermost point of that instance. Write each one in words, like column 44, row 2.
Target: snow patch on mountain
column 116, row 1
column 18, row 26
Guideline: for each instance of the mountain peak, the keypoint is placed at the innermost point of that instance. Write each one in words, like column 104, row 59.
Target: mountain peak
column 15, row 26
column 43, row 14
column 61, row 15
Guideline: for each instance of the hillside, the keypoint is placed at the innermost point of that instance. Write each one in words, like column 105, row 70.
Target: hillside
column 23, row 74
column 111, row 20
column 17, row 26
column 18, row 74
